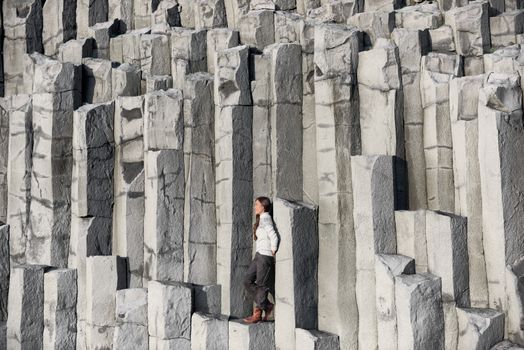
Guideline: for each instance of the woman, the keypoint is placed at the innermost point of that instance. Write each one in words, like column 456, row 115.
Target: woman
column 259, row 278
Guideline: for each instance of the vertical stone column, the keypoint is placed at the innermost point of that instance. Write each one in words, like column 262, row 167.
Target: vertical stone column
column 296, row 270
column 210, row 14
column 105, row 275
column 27, row 304
column 315, row 340
column 446, row 236
column 98, row 79
column 59, row 24
column 412, row 45
column 154, row 55
column 22, row 22
column 374, row 220
column 219, row 39
column 200, row 235
column 468, row 199
column 89, row 13
column 5, row 107
column 233, row 176
column 479, row 328
column 128, row 208
column 514, row 290
column 380, row 100
column 19, row 174
column 55, row 97
column 501, row 150
column 126, row 81
column 209, row 332
column 337, row 138
column 122, row 10
column 235, row 9
column 419, row 303
column 257, row 29
column 251, row 336
column 131, row 319
column 4, row 271
column 411, row 237
column 386, row 268
column 142, row 11
column 437, row 71
column 188, row 54
column 60, row 292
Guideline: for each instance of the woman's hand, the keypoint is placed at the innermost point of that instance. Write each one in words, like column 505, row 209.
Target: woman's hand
column 274, row 252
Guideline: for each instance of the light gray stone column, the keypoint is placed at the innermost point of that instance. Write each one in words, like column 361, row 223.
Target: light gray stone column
column 337, row 138
column 235, row 9
column 257, row 29
column 22, row 22
column 233, row 176
column 470, row 24
column 60, row 293
column 122, row 10
column 158, row 82
column 104, row 275
column 59, row 24
column 154, row 55
column 500, row 154
column 89, row 13
column 97, row 80
column 188, row 54
column 219, row 39
column 256, row 336
column 420, row 318
column 315, row 340
column 4, row 271
column 169, row 314
column 209, row 332
column 479, row 328
column 411, row 237
column 103, row 33
column 131, row 319
column 296, row 270
column 210, row 14
column 206, row 298
column 26, row 304
column 374, row 221
column 200, row 235
column 126, row 81
column 5, row 107
column 514, row 290
column 380, row 100
column 75, row 50
column 142, row 11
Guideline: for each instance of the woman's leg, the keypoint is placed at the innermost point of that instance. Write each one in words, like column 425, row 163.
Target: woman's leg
column 265, row 267
column 250, row 278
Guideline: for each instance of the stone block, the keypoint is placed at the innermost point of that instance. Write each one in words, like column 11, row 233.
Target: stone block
column 506, row 345
column 188, row 54
column 164, row 215
column 4, row 271
column 93, row 161
column 103, row 33
column 296, row 270
column 131, row 330
column 479, row 328
column 154, row 54
column 419, row 17
column 142, row 11
column 470, row 24
column 420, row 318
column 97, row 80
column 244, row 336
column 374, row 222
column 386, row 268
column 5, row 107
column 232, row 77
column 168, row 14
column 442, row 39
column 75, row 50
column 207, row 298
column 411, row 237
column 59, row 24
column 158, row 82
column 210, row 14
column 315, row 340
column 60, row 293
column 89, row 13
column 122, row 10
column 169, row 310
column 126, row 81
column 24, row 305
column 235, row 9
column 375, row 25
column 209, row 332
column 164, row 120
column 104, row 276
column 505, row 27
column 257, row 29
column 219, row 39
column 335, row 11
column 514, row 290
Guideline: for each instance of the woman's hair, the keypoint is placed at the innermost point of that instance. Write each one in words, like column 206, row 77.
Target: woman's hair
column 268, row 207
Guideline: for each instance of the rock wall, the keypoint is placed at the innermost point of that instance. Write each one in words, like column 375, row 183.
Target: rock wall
column 135, row 134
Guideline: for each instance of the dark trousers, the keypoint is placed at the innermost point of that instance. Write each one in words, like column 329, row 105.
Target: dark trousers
column 260, row 279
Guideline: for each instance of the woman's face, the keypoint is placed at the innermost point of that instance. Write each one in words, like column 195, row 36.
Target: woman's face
column 259, row 208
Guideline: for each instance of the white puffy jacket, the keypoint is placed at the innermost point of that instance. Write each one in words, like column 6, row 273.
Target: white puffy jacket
column 267, row 239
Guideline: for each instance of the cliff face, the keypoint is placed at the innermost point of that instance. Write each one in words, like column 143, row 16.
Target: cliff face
column 135, row 135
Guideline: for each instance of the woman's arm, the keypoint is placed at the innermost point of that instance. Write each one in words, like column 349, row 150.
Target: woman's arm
column 272, row 234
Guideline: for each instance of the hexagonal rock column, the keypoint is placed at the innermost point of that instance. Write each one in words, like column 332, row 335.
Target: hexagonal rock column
column 446, row 236
column 59, row 24
column 209, row 332
column 200, row 235
column 210, row 14
column 506, row 345
column 337, row 138
column 386, row 268
column 505, row 27
column 257, row 29
column 206, row 298
column 411, row 237
column 105, row 275
column 374, row 220
column 501, row 147
column 188, row 54
column 55, row 97
column 131, row 319
column 122, row 10
column 126, row 81
column 412, row 45
column 75, row 50
column 251, row 336
column 296, row 270
column 3, row 335
column 235, row 9
column 128, row 208
column 4, row 271
column 380, row 100
column 437, row 71
column 169, row 315
column 154, row 54
column 27, row 304
column 233, row 176
column 315, row 340
column 102, row 33
column 167, row 15
column 514, row 292
column 23, row 22
column 19, row 174
column 479, row 328
column 60, row 293
column 89, row 13
column 468, row 200
column 470, row 24
column 97, row 80
column 219, row 39
column 419, row 303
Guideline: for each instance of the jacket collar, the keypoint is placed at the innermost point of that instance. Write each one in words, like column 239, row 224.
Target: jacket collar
column 264, row 214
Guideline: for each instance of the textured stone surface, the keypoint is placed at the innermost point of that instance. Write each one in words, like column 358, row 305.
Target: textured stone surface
column 514, row 290
column 4, row 271
column 209, row 332
column 296, row 270
column 210, row 14
column 89, row 13
column 131, row 330
column 217, row 40
column 164, row 120
column 75, row 50
column 188, row 54
column 97, row 80
column 59, row 24
column 411, row 237
column 315, row 340
column 251, row 336
column 479, row 328
column 60, row 296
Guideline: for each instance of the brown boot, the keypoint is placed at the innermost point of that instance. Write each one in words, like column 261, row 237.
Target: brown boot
column 268, row 310
column 256, row 317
